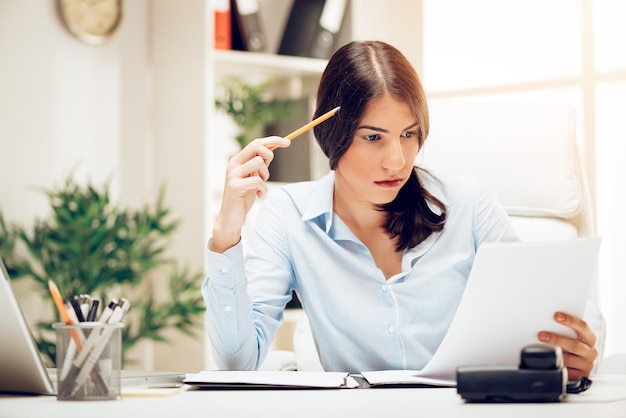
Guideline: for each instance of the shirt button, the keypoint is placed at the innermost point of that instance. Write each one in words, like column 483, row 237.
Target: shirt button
column 224, row 270
column 384, row 287
column 227, row 308
column 391, row 329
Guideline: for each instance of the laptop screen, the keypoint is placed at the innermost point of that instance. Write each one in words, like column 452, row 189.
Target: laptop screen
column 21, row 367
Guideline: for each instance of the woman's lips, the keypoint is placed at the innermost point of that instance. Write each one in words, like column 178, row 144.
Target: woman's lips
column 389, row 183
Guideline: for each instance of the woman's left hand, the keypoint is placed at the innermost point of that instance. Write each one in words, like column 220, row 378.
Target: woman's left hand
column 578, row 354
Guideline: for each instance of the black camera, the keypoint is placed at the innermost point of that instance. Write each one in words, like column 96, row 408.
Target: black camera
column 540, row 377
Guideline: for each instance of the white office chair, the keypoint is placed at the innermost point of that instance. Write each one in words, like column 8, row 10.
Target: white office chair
column 527, row 154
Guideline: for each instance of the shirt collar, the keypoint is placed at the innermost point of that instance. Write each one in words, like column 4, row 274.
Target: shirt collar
column 321, row 201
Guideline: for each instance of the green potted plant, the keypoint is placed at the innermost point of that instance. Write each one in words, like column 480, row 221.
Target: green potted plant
column 251, row 106
column 88, row 245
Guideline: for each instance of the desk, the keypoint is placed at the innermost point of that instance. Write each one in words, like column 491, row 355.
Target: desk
column 326, row 403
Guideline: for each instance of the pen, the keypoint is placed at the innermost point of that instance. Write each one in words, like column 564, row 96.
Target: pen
column 118, row 314
column 94, row 336
column 311, row 124
column 72, row 314
column 67, row 363
column 93, row 310
column 77, row 344
column 75, row 302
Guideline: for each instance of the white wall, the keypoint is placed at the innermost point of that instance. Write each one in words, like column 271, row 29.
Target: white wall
column 178, row 47
column 67, row 107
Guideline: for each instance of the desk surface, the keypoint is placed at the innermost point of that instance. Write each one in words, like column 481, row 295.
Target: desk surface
column 606, row 398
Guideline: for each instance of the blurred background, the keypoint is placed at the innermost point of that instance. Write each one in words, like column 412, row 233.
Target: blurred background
column 139, row 111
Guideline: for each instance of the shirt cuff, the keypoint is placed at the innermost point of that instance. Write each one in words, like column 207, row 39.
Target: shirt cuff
column 226, row 269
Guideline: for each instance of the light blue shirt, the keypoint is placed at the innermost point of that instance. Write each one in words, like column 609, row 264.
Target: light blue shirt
column 360, row 321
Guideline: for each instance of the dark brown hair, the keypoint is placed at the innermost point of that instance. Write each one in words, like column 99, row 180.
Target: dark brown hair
column 356, row 74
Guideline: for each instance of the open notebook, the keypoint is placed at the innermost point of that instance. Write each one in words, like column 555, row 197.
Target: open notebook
column 21, row 367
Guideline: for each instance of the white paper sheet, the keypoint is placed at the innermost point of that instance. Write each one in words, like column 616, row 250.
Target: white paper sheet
column 512, row 293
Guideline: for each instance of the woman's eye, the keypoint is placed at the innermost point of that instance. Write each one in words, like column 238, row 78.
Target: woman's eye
column 372, row 137
column 409, row 134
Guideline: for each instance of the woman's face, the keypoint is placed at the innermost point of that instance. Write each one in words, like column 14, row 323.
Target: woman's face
column 380, row 159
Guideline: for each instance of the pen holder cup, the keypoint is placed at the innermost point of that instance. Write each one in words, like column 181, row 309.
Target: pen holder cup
column 89, row 358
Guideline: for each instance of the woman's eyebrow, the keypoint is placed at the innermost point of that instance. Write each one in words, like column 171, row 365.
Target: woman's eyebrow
column 373, row 128
column 377, row 129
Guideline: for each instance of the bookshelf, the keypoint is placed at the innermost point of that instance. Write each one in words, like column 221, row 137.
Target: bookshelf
column 249, row 64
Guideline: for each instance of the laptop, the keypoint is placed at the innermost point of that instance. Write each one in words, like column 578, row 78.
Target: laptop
column 22, row 369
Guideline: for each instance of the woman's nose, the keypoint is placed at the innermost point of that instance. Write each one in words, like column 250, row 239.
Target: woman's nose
column 393, row 156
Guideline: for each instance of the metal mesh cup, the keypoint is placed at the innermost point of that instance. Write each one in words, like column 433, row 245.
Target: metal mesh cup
column 89, row 358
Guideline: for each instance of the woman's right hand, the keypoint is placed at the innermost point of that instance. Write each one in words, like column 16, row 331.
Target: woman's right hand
column 246, row 177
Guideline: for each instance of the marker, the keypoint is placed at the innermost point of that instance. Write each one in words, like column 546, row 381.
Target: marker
column 106, row 313
column 85, row 303
column 119, row 312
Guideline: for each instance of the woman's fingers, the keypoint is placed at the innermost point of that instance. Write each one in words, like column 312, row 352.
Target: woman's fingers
column 579, row 354
column 259, row 147
column 246, row 177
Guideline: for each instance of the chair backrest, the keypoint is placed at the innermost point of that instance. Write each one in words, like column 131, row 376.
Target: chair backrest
column 526, row 153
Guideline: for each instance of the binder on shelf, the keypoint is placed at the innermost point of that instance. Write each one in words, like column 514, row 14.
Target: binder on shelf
column 222, row 31
column 248, row 32
column 293, row 164
column 312, row 28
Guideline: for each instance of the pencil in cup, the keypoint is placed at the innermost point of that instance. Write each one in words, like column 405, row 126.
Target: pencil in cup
column 58, row 301
column 311, row 125
column 78, row 337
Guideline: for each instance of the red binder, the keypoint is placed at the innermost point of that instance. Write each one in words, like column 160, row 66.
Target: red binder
column 222, row 25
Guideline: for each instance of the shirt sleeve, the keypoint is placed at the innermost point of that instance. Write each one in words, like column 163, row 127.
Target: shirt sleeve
column 228, row 309
column 245, row 294
column 492, row 223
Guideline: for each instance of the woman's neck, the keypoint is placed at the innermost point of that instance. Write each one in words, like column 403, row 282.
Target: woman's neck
column 357, row 214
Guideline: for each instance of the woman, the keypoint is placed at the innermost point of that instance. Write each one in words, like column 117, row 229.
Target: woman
column 378, row 251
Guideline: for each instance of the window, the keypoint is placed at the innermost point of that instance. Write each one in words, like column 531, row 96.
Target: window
column 565, row 50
